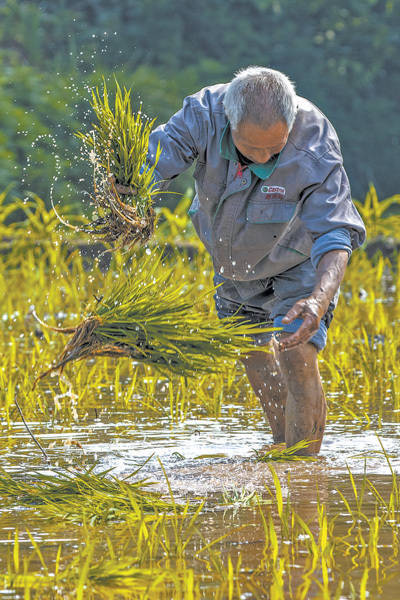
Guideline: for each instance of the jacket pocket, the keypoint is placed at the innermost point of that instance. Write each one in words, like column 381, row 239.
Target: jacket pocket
column 266, row 221
column 297, row 239
column 271, row 211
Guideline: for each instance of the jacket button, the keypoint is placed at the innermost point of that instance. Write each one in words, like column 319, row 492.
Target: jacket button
column 244, row 181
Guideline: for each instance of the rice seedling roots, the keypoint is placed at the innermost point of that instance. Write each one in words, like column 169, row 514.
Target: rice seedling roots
column 120, row 221
column 83, row 344
column 87, row 343
column 124, row 183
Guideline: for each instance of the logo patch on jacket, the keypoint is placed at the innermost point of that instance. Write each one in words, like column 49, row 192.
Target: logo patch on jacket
column 273, row 192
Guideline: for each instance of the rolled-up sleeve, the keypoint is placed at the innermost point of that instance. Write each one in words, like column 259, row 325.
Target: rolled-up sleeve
column 180, row 140
column 327, row 205
column 336, row 239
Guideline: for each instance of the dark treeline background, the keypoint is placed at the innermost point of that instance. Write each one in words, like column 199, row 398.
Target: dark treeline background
column 344, row 56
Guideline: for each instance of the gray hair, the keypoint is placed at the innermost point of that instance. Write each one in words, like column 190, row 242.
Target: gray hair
column 262, row 96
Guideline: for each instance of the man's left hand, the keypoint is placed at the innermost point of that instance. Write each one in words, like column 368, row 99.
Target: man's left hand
column 330, row 273
column 311, row 311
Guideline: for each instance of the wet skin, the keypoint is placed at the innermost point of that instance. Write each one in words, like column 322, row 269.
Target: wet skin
column 287, row 380
column 289, row 388
column 330, row 272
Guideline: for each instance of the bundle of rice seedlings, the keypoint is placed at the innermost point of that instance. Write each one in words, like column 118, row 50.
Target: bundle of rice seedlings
column 149, row 318
column 124, row 185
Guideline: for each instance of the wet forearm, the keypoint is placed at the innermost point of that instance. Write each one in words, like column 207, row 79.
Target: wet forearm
column 330, row 271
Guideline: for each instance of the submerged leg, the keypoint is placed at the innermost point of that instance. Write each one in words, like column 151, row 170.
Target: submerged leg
column 306, row 405
column 265, row 376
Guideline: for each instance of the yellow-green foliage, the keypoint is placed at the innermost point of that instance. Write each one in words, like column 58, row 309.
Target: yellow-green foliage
column 373, row 214
column 126, row 541
column 119, row 143
column 175, row 226
column 300, row 551
column 282, row 453
column 148, row 317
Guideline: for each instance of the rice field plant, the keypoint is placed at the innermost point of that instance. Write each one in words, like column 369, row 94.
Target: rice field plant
column 150, row 319
column 74, row 530
column 38, row 234
column 299, row 556
column 175, row 227
column 83, row 495
column 378, row 215
column 355, row 361
column 124, row 186
column 362, row 357
column 281, row 452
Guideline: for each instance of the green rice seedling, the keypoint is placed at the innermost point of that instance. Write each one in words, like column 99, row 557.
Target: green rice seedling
column 339, row 539
column 122, row 576
column 394, row 502
column 234, row 581
column 78, row 496
column 149, row 318
column 360, row 366
column 124, row 186
column 178, row 399
column 37, row 234
column 89, row 577
column 175, row 226
column 211, row 391
column 183, row 528
column 241, row 497
column 283, row 509
column 281, row 453
column 390, row 508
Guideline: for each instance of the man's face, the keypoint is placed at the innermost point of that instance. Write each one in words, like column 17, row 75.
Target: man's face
column 257, row 144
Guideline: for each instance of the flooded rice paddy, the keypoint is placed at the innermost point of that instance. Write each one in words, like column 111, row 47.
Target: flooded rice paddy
column 212, row 461
column 152, row 488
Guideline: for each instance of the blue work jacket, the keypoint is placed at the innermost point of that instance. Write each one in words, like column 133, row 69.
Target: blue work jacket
column 256, row 227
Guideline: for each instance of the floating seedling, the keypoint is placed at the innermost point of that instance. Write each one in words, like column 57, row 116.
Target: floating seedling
column 76, row 494
column 280, row 452
column 124, row 184
column 149, row 318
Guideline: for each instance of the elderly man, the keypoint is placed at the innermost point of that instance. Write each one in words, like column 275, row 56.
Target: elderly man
column 273, row 208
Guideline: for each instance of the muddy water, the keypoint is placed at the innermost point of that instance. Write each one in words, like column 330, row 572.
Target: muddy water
column 207, row 458
column 200, row 456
